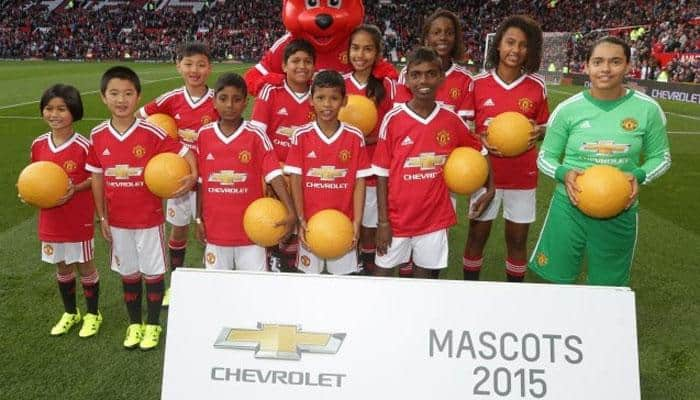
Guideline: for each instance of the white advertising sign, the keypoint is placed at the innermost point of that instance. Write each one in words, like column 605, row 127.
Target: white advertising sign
column 264, row 336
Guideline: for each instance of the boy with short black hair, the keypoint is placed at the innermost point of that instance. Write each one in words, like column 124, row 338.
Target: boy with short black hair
column 192, row 107
column 415, row 139
column 328, row 163
column 133, row 220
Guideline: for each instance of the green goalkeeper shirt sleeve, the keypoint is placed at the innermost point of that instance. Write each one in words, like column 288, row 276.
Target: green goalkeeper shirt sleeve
column 552, row 150
column 656, row 155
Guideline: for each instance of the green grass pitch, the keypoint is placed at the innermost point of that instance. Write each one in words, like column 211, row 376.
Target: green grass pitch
column 34, row 365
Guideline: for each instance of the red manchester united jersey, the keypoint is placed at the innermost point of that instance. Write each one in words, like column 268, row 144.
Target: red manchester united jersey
column 490, row 96
column 189, row 114
column 121, row 159
column 452, row 92
column 231, row 170
column 354, row 87
column 411, row 152
column 278, row 111
column 73, row 221
column 329, row 167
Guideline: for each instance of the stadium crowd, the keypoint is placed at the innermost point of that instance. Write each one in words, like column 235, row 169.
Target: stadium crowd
column 243, row 30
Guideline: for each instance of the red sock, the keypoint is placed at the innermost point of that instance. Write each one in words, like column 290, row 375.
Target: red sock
column 177, row 253
column 515, row 269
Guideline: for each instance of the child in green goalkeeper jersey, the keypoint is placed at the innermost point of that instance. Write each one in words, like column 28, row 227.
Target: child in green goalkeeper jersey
column 581, row 132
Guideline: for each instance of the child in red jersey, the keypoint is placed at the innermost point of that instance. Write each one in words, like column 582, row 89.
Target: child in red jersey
column 133, row 220
column 511, row 85
column 414, row 205
column 364, row 52
column 279, row 110
column 192, row 106
column 66, row 230
column 328, row 163
column 234, row 156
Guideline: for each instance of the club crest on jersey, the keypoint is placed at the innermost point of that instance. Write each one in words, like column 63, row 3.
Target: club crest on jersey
column 605, row 147
column 311, row 116
column 425, row 161
column 188, row 135
column 525, row 104
column 123, row 171
column 211, row 258
column 327, row 172
column 171, row 212
column 454, row 93
column 48, row 249
column 70, row 166
column 138, row 151
column 245, row 156
column 629, row 124
column 542, row 259
column 443, row 137
column 345, row 155
column 305, row 261
column 343, row 57
column 228, row 177
column 205, row 120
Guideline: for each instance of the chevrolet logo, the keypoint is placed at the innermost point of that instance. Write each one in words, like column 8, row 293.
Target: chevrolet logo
column 227, row 177
column 188, row 135
column 123, row 171
column 279, row 342
column 327, row 173
column 605, row 147
column 425, row 161
column 287, row 131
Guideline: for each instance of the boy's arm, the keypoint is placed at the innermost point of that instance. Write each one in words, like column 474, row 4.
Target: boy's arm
column 280, row 187
column 384, row 232
column 188, row 181
column 358, row 206
column 298, row 199
column 201, row 232
column 100, row 209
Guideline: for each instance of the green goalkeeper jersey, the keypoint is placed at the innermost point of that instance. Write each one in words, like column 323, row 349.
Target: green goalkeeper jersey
column 628, row 133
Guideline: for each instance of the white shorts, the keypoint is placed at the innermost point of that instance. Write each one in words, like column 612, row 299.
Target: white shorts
column 67, row 252
column 309, row 263
column 519, row 206
column 370, row 214
column 181, row 210
column 138, row 250
column 242, row 258
column 428, row 251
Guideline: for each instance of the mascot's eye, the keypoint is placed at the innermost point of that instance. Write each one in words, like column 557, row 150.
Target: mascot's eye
column 312, row 3
column 335, row 3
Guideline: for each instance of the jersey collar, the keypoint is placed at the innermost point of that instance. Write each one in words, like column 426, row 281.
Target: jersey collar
column 294, row 95
column 326, row 139
column 356, row 83
column 507, row 86
column 195, row 104
column 233, row 136
column 424, row 121
column 56, row 149
column 122, row 136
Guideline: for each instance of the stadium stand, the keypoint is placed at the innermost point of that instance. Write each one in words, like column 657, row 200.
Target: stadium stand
column 665, row 35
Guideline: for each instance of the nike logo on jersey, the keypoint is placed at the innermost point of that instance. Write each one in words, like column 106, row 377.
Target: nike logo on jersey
column 312, row 154
column 585, row 124
column 406, row 141
column 210, row 156
column 177, row 116
column 106, row 153
column 282, row 111
column 489, row 103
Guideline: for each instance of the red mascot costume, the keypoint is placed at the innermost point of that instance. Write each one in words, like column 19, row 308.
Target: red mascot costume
column 326, row 24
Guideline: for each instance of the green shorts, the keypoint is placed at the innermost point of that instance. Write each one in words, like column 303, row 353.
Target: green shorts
column 568, row 235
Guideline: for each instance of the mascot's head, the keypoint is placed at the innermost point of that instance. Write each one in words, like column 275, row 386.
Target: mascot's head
column 324, row 23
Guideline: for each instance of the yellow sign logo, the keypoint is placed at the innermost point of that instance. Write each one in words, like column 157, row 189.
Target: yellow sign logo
column 138, row 151
column 605, row 147
column 454, row 93
column 443, row 137
column 245, row 156
column 228, row 177
column 279, row 342
column 526, row 105
column 327, row 173
column 48, row 249
column 425, row 161
column 629, row 124
column 70, row 166
column 123, row 171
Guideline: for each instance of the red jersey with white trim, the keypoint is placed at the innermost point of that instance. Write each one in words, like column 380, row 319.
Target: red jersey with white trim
column 489, row 97
column 329, row 167
column 411, row 152
column 452, row 92
column 231, row 170
column 73, row 221
column 279, row 111
column 190, row 115
column 121, row 159
column 352, row 86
